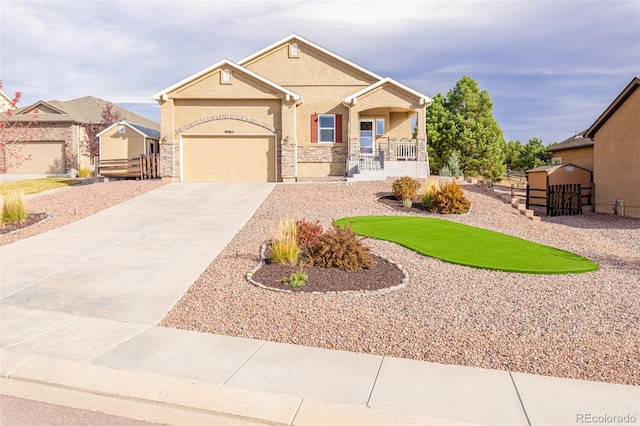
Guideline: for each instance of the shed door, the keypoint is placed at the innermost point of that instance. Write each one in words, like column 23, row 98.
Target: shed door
column 46, row 158
column 228, row 159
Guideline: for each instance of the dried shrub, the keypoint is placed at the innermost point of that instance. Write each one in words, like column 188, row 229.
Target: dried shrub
column 284, row 244
column 406, row 187
column 450, row 199
column 14, row 206
column 85, row 172
column 307, row 234
column 343, row 249
column 429, row 188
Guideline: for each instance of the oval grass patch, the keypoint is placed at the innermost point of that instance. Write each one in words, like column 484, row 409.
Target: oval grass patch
column 468, row 245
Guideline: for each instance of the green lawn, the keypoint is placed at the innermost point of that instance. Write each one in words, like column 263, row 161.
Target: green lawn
column 468, row 245
column 33, row 186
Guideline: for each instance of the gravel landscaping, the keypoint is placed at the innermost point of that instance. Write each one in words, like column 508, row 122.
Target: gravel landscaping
column 584, row 326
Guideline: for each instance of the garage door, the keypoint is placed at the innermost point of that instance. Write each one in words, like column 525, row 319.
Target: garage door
column 228, row 159
column 46, row 157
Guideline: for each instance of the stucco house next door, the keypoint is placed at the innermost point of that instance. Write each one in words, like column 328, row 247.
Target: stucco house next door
column 292, row 110
column 228, row 159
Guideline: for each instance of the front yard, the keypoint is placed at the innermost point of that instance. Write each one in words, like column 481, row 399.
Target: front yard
column 582, row 326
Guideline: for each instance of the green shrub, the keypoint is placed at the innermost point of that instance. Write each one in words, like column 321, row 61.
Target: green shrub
column 429, row 188
column 296, row 279
column 406, row 187
column 85, row 172
column 307, row 234
column 284, row 244
column 14, row 206
column 450, row 199
column 452, row 167
column 342, row 248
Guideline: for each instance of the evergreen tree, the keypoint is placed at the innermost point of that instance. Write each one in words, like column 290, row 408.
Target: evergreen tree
column 463, row 122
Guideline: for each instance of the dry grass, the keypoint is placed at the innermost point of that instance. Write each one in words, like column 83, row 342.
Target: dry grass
column 284, row 242
column 14, row 206
column 33, row 186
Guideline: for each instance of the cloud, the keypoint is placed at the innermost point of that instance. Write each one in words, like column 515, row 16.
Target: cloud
column 550, row 66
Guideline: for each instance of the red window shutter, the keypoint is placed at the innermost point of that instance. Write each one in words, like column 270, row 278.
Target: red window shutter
column 314, row 128
column 338, row 128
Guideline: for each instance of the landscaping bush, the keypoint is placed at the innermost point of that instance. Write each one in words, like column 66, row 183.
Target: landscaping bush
column 406, row 187
column 284, row 244
column 342, row 248
column 85, row 172
column 307, row 234
column 450, row 199
column 14, row 206
column 452, row 168
column 429, row 188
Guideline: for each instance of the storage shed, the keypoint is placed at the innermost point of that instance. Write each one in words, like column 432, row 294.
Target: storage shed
column 551, row 186
column 124, row 146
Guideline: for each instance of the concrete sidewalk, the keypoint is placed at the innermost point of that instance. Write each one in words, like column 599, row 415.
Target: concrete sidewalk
column 81, row 315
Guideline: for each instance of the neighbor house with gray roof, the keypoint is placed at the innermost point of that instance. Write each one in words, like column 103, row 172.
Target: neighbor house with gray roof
column 54, row 133
column 577, row 150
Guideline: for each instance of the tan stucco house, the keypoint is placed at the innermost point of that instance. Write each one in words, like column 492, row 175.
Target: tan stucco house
column 54, row 134
column 291, row 110
column 616, row 168
column 577, row 150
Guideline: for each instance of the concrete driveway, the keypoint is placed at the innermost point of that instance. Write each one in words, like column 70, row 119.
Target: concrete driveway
column 132, row 262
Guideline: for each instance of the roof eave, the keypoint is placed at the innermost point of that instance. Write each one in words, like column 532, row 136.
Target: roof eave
column 611, row 109
column 353, row 99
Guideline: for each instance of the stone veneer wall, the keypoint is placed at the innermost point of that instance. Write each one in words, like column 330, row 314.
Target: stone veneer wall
column 170, row 161
column 322, row 154
column 287, row 161
column 66, row 132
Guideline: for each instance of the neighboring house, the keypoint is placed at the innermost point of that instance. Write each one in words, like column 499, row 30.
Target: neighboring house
column 616, row 171
column 289, row 111
column 577, row 150
column 5, row 102
column 56, row 139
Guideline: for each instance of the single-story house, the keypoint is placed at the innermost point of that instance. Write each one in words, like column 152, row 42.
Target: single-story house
column 576, row 149
column 56, row 138
column 291, row 110
column 616, row 135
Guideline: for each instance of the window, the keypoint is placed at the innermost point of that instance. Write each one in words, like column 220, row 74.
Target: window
column 326, row 128
column 379, row 126
column 556, row 160
column 293, row 50
column 226, row 75
column 121, row 129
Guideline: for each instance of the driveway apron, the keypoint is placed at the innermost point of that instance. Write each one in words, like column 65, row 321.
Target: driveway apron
column 130, row 263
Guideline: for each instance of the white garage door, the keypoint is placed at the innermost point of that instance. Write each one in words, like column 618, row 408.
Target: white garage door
column 46, row 157
column 228, row 159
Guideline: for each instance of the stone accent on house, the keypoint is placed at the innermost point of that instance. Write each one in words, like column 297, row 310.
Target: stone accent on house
column 354, row 152
column 170, row 161
column 322, row 154
column 287, row 161
column 422, row 149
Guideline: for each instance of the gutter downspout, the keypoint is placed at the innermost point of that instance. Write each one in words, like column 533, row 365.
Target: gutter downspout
column 295, row 140
column 78, row 143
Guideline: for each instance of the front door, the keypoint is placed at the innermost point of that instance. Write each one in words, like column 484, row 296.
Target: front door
column 366, row 138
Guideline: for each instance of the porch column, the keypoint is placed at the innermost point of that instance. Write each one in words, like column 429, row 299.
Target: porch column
column 354, row 133
column 421, row 136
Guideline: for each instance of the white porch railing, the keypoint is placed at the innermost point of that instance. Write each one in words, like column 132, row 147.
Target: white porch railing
column 406, row 151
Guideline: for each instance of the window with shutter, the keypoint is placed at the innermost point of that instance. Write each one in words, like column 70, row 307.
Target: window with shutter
column 326, row 128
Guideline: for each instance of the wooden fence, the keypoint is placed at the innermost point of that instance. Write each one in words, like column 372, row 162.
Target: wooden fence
column 560, row 200
column 144, row 167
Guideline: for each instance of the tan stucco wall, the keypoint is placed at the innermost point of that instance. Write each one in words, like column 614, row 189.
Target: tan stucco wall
column 617, row 159
column 120, row 146
column 240, row 87
column 580, row 157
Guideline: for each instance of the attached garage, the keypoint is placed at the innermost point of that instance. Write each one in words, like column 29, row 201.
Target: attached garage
column 239, row 158
column 47, row 157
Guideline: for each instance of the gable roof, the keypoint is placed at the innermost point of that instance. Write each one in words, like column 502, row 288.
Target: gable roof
column 7, row 99
column 313, row 45
column 351, row 99
column 550, row 167
column 225, row 62
column 85, row 110
column 574, row 142
column 142, row 130
column 617, row 103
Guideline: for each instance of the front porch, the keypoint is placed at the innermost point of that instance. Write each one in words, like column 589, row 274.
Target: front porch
column 391, row 157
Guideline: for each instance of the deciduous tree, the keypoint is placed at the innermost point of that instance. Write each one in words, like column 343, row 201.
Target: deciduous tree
column 13, row 136
column 109, row 116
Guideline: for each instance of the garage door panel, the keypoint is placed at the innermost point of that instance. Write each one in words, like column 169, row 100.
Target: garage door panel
column 46, row 158
column 228, row 159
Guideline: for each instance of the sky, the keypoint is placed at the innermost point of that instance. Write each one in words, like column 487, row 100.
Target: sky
column 551, row 67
